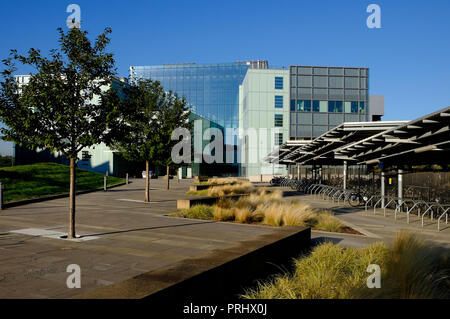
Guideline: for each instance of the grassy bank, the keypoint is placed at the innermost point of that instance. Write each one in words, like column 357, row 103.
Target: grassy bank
column 412, row 268
column 44, row 179
column 267, row 208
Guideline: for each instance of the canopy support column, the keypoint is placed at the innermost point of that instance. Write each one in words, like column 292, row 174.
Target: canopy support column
column 345, row 175
column 383, row 189
column 400, row 186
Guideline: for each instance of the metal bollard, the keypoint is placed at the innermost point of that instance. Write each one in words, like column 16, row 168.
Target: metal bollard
column 126, row 179
column 105, row 179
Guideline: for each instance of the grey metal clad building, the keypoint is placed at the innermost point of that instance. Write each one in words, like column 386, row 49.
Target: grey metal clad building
column 324, row 97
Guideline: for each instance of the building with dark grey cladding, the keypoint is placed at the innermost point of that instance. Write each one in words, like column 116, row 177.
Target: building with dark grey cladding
column 323, row 97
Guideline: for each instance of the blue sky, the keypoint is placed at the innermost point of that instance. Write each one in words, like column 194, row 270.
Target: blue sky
column 408, row 57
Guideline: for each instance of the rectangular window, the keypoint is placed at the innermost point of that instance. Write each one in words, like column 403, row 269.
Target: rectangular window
column 278, row 139
column 331, row 105
column 292, row 105
column 354, row 107
column 279, row 101
column 304, row 105
column 316, row 106
column 362, row 107
column 85, row 156
column 278, row 120
column 278, row 83
column 335, row 106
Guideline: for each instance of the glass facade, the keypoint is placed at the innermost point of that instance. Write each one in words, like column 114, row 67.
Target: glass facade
column 340, row 93
column 211, row 89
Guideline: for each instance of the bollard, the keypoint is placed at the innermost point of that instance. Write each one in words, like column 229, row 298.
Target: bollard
column 126, row 179
column 105, row 179
column 1, row 196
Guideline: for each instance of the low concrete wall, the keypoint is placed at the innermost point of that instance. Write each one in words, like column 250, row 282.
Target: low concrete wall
column 188, row 203
column 200, row 187
column 219, row 275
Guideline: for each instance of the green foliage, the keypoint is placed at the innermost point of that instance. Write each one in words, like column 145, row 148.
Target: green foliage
column 6, row 161
column 174, row 114
column 137, row 129
column 65, row 106
column 149, row 115
column 197, row 211
column 43, row 179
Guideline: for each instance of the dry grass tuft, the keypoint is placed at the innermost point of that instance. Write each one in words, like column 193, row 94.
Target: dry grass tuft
column 412, row 268
column 234, row 189
column 197, row 211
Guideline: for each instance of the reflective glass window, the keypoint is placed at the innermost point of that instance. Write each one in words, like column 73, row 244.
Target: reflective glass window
column 278, row 139
column 278, row 101
column 278, row 82
column 304, row 105
column 316, row 106
column 278, row 120
column 362, row 108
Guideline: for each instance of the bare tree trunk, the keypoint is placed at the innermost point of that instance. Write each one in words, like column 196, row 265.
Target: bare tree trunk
column 71, row 233
column 147, row 181
column 168, row 179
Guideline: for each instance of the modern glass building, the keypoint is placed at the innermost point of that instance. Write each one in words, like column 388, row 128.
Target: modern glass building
column 324, row 97
column 211, row 89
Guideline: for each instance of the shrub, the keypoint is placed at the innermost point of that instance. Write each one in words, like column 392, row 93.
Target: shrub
column 412, row 268
column 197, row 211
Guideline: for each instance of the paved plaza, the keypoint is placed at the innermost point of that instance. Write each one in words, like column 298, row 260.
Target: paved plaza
column 122, row 237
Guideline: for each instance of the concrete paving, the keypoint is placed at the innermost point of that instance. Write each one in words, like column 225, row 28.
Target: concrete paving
column 375, row 226
column 122, row 237
column 128, row 237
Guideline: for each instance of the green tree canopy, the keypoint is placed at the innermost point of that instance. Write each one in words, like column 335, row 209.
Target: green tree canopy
column 67, row 104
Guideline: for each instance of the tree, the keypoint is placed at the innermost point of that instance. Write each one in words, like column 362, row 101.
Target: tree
column 65, row 106
column 174, row 114
column 136, row 130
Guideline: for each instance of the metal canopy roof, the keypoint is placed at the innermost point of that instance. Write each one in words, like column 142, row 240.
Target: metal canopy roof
column 425, row 140
column 321, row 150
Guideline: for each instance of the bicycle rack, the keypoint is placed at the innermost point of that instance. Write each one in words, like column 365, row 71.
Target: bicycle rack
column 446, row 216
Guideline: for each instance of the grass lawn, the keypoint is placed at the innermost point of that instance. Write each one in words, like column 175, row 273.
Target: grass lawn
column 44, row 179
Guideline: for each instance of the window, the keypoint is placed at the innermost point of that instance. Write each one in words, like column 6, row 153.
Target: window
column 335, row 106
column 292, row 105
column 354, row 107
column 278, row 139
column 362, row 107
column 304, row 105
column 279, row 101
column 278, row 83
column 85, row 156
column 316, row 106
column 278, row 120
column 331, row 106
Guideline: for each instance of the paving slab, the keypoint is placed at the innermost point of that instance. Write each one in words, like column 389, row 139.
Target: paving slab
column 374, row 225
column 130, row 238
